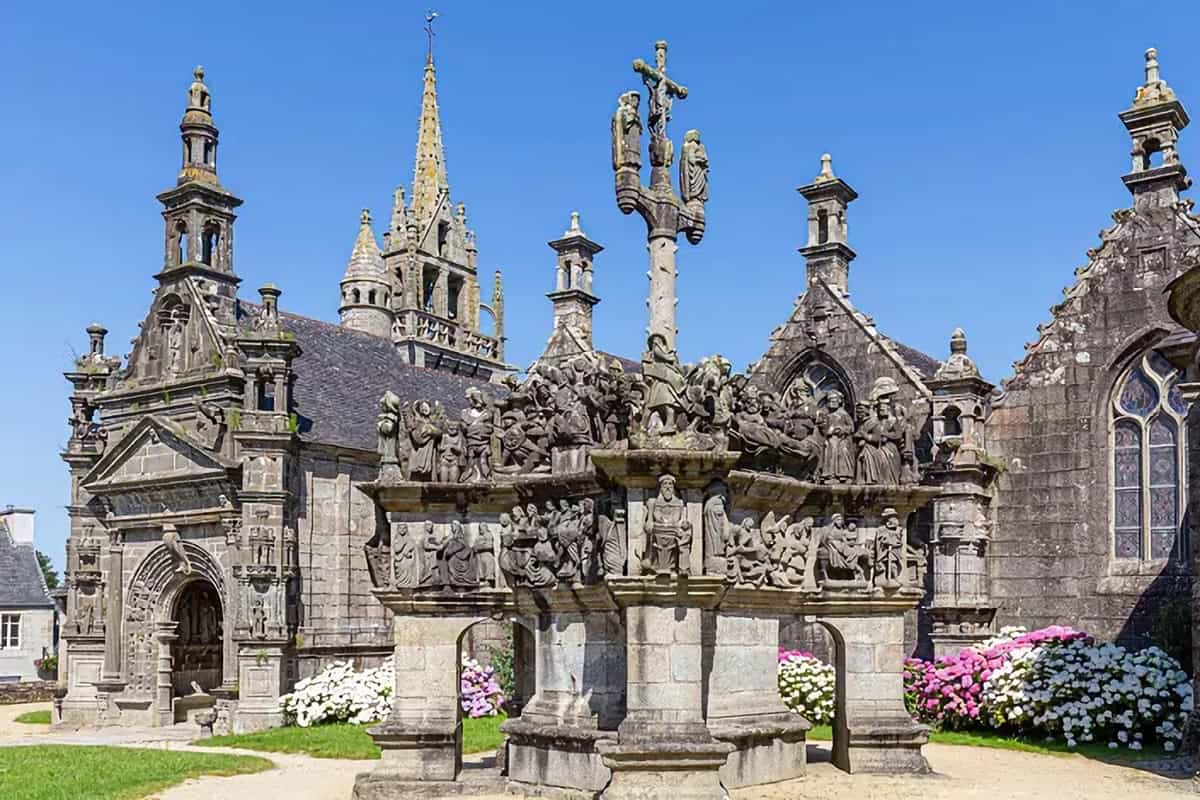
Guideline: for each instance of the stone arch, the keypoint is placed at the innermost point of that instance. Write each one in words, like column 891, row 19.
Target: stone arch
column 150, row 603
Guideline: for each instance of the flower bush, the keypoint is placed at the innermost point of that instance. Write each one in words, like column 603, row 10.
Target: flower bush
column 479, row 689
column 1083, row 692
column 806, row 685
column 1055, row 682
column 948, row 692
column 339, row 693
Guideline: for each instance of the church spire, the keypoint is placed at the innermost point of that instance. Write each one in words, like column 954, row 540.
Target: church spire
column 199, row 134
column 365, row 286
column 429, row 174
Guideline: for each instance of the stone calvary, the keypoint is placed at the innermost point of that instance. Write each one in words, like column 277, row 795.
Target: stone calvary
column 648, row 530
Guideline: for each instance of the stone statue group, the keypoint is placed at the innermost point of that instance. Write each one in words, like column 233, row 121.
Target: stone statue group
column 419, row 556
column 549, row 422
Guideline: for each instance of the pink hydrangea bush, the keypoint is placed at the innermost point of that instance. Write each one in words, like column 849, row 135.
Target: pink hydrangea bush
column 948, row 692
column 480, row 691
column 806, row 685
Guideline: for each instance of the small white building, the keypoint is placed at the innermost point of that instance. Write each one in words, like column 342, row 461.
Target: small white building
column 27, row 613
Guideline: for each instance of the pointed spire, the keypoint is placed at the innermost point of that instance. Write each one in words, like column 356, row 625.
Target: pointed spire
column 429, row 174
column 366, row 260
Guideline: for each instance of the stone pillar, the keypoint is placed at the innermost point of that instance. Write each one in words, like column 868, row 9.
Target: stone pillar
column 440, row 292
column 164, row 693
column 662, row 299
column 872, row 730
column 114, row 602
column 663, row 747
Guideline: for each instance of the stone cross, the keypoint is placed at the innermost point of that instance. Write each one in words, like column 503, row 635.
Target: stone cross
column 666, row 215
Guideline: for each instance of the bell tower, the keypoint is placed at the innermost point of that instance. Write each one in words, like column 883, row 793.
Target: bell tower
column 198, row 212
column 828, row 255
column 1154, row 121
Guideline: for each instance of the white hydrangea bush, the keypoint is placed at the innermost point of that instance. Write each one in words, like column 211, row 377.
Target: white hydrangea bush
column 1084, row 692
column 339, row 693
column 806, row 685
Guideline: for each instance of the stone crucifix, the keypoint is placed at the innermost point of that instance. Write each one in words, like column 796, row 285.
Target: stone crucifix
column 666, row 214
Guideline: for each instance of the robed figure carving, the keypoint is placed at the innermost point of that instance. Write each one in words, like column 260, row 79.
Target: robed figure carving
column 406, row 561
column 668, row 531
column 461, row 565
column 627, row 133
column 665, row 383
column 837, row 463
column 693, row 169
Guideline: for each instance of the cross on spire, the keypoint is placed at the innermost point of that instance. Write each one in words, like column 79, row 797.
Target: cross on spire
column 430, row 16
column 663, row 92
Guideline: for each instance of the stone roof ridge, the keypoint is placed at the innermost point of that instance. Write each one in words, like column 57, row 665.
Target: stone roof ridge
column 366, row 259
column 889, row 347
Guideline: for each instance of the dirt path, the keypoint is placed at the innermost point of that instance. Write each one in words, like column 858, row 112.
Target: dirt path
column 295, row 777
column 11, row 729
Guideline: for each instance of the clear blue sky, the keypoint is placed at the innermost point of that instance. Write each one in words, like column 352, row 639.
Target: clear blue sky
column 982, row 138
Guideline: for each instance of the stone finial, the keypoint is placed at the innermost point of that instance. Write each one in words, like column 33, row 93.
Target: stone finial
column 959, row 365
column 96, row 333
column 269, row 294
column 826, row 173
column 574, row 230
column 1155, row 90
column 364, row 216
column 198, row 96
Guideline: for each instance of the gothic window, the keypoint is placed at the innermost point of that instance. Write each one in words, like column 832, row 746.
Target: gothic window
column 181, row 243
column 822, row 226
column 824, row 380
column 1148, row 462
column 209, row 243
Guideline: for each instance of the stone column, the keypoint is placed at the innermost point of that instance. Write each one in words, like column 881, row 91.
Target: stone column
column 440, row 292
column 164, row 693
column 872, row 730
column 114, row 600
column 662, row 300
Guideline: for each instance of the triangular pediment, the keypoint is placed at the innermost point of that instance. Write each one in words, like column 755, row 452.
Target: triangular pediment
column 155, row 451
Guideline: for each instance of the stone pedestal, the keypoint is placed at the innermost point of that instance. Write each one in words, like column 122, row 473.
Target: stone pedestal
column 663, row 746
column 872, row 730
column 260, row 684
column 742, row 703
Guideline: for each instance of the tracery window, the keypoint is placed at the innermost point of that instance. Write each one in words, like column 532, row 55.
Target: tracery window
column 1149, row 462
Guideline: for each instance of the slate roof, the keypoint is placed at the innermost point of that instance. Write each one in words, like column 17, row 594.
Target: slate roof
column 923, row 363
column 341, row 374
column 21, row 581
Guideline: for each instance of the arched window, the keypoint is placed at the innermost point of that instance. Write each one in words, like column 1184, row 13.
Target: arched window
column 371, row 297
column 1148, row 462
column 209, row 243
column 355, row 294
column 822, row 226
column 181, row 244
column 823, row 380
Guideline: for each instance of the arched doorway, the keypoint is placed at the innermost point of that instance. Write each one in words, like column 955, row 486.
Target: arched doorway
column 196, row 652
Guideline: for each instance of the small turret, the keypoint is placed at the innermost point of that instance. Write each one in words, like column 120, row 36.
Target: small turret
column 828, row 255
column 366, row 290
column 1154, row 121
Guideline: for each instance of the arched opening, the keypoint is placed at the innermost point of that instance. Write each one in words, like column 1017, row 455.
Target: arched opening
column 356, row 295
column 371, row 297
column 209, row 152
column 951, row 422
column 487, row 320
column 266, row 395
column 209, row 242
column 487, row 674
column 196, row 653
column 822, row 226
column 181, row 243
column 443, row 239
column 1152, row 157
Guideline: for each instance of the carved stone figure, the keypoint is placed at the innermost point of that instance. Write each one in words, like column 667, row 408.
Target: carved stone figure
column 838, row 461
column 388, row 427
column 460, row 565
column 85, row 612
column 406, row 560
column 627, row 133
column 883, row 438
column 433, row 574
column 747, row 555
column 889, row 552
column 451, row 454
column 693, row 169
column 258, row 618
column 668, row 531
column 426, row 427
column 539, row 568
column 210, row 424
column 662, row 92
column 794, row 556
column 841, row 559
column 378, row 552
column 478, row 422
column 174, row 545
column 665, row 383
column 612, row 546
column 716, row 528
column 485, row 554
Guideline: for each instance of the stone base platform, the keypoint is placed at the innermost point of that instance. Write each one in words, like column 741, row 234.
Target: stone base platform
column 766, row 750
column 562, row 757
column 472, row 782
column 890, row 745
column 679, row 770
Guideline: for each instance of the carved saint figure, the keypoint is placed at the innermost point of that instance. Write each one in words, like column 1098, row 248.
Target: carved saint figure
column 258, row 618
column 716, row 528
column 423, row 434
column 539, row 568
column 795, row 556
column 459, row 559
column 378, row 552
column 665, row 383
column 837, row 464
column 612, row 546
column 693, row 169
column 485, row 554
column 406, row 560
column 889, row 552
column 627, row 133
column 668, row 531
column 433, row 574
column 747, row 555
column 85, row 613
column 451, row 454
column 388, row 427
column 478, row 426
column 840, row 556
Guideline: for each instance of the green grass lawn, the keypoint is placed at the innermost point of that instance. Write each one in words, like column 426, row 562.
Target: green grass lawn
column 62, row 772
column 346, row 741
column 999, row 741
column 34, row 718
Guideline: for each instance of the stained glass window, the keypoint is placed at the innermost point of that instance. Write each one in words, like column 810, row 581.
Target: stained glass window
column 1147, row 461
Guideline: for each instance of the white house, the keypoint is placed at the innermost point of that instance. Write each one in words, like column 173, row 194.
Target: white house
column 26, row 611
